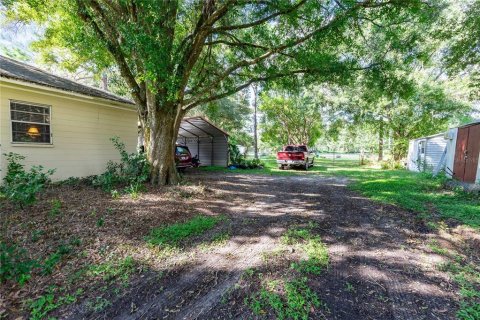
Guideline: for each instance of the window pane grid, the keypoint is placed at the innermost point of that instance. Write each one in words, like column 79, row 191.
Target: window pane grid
column 30, row 123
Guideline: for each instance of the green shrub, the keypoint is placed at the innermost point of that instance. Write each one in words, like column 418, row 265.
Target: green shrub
column 254, row 164
column 133, row 169
column 235, row 155
column 391, row 165
column 21, row 186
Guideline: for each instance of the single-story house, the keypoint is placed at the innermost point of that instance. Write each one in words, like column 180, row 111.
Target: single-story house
column 60, row 124
column 64, row 125
column 456, row 151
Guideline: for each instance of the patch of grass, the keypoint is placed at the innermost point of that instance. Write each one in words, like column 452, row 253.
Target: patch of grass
column 288, row 300
column 249, row 272
column 172, row 235
column 467, row 276
column 294, row 236
column 113, row 269
column 317, row 257
column 434, row 246
column 316, row 251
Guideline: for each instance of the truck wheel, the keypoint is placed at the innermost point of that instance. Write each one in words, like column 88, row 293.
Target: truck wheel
column 280, row 166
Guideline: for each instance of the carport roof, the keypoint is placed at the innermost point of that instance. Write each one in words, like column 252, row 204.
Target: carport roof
column 199, row 127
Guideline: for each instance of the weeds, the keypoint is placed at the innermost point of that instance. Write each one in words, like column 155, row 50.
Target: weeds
column 132, row 171
column 316, row 251
column 296, row 302
column 467, row 276
column 100, row 222
column 50, row 263
column 53, row 259
column 99, row 304
column 15, row 264
column 56, row 206
column 112, row 269
column 42, row 306
column 115, row 194
column 36, row 234
column 433, row 245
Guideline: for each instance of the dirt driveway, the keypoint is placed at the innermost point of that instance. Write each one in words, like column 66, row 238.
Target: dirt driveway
column 380, row 267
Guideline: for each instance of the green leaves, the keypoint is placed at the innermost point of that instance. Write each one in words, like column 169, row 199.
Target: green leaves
column 21, row 186
column 290, row 119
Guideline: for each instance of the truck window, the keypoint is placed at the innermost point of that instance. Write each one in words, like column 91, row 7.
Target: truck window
column 296, row 149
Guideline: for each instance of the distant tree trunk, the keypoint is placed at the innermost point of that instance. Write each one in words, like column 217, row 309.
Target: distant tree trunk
column 400, row 145
column 380, row 141
column 104, row 81
column 255, row 134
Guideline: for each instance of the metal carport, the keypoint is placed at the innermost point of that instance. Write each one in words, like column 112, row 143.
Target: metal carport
column 204, row 139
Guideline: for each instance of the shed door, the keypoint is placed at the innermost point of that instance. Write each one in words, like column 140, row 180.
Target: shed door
column 466, row 154
column 473, row 148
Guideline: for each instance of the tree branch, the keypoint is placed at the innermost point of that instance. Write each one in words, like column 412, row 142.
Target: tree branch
column 113, row 46
column 260, row 21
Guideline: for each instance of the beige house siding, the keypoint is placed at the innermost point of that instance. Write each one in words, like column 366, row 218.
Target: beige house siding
column 81, row 128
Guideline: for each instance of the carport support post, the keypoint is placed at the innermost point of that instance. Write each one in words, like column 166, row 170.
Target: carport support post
column 198, row 149
column 212, row 151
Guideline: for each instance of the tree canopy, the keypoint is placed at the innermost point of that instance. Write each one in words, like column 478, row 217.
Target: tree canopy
column 177, row 55
column 290, row 118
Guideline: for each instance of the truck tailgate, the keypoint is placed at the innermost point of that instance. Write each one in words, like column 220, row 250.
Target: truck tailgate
column 286, row 155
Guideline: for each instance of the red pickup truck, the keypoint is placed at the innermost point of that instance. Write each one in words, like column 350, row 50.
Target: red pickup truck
column 295, row 156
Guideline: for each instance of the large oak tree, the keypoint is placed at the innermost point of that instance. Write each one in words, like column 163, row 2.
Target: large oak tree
column 175, row 55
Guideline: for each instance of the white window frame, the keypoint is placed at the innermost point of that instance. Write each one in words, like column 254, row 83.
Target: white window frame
column 43, row 124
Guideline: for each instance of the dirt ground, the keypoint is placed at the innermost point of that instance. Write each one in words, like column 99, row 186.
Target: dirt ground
column 378, row 250
column 380, row 264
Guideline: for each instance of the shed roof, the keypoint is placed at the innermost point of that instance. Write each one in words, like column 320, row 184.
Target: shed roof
column 430, row 136
column 17, row 70
column 473, row 123
column 199, row 127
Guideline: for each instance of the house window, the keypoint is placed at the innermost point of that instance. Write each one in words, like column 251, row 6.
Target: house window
column 30, row 122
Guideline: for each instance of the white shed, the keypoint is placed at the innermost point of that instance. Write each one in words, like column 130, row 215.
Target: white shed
column 426, row 153
column 457, row 151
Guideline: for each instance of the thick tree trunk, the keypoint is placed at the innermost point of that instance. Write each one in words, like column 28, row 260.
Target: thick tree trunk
column 160, row 135
column 380, row 141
